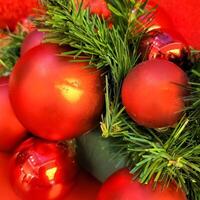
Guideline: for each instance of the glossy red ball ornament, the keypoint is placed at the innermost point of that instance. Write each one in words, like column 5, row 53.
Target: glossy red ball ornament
column 153, row 93
column 11, row 130
column 43, row 170
column 56, row 97
column 160, row 43
column 122, row 186
column 33, row 39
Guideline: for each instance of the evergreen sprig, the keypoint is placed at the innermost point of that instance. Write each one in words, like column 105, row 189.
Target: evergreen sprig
column 173, row 155
column 10, row 49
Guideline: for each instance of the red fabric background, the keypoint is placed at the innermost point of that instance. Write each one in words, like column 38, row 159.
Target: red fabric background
column 185, row 15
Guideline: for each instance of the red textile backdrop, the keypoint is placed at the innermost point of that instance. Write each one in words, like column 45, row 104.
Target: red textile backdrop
column 185, row 16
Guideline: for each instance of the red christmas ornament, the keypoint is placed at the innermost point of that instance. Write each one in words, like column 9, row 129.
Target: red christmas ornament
column 11, row 130
column 162, row 44
column 33, row 39
column 184, row 15
column 55, row 97
column 153, row 92
column 121, row 186
column 13, row 11
column 42, row 170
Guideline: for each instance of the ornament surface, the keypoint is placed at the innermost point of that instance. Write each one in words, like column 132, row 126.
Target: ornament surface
column 56, row 97
column 42, row 170
column 11, row 130
column 121, row 186
column 33, row 39
column 162, row 44
column 153, row 93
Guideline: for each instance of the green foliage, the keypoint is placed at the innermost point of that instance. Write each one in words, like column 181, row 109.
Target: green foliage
column 172, row 155
column 10, row 50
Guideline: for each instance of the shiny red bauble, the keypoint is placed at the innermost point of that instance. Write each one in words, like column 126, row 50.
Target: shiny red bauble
column 164, row 44
column 121, row 186
column 153, row 93
column 11, row 130
column 56, row 97
column 43, row 170
column 33, row 39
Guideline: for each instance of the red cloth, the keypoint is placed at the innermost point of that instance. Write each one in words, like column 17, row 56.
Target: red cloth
column 185, row 16
column 12, row 11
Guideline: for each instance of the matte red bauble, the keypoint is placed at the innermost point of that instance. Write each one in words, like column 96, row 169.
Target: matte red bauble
column 42, row 170
column 121, row 186
column 160, row 43
column 33, row 39
column 56, row 97
column 11, row 130
column 153, row 92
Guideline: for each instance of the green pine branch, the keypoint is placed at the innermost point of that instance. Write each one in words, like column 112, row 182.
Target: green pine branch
column 10, row 51
column 173, row 155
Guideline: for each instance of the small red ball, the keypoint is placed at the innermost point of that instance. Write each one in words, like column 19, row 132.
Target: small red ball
column 153, row 92
column 165, row 44
column 121, row 186
column 42, row 170
column 56, row 97
column 11, row 130
column 33, row 39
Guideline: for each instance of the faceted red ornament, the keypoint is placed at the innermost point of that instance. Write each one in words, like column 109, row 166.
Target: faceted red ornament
column 121, row 186
column 11, row 130
column 56, row 97
column 33, row 39
column 153, row 93
column 43, row 170
column 160, row 43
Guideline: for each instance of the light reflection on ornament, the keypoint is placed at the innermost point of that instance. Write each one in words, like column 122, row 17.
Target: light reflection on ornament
column 50, row 173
